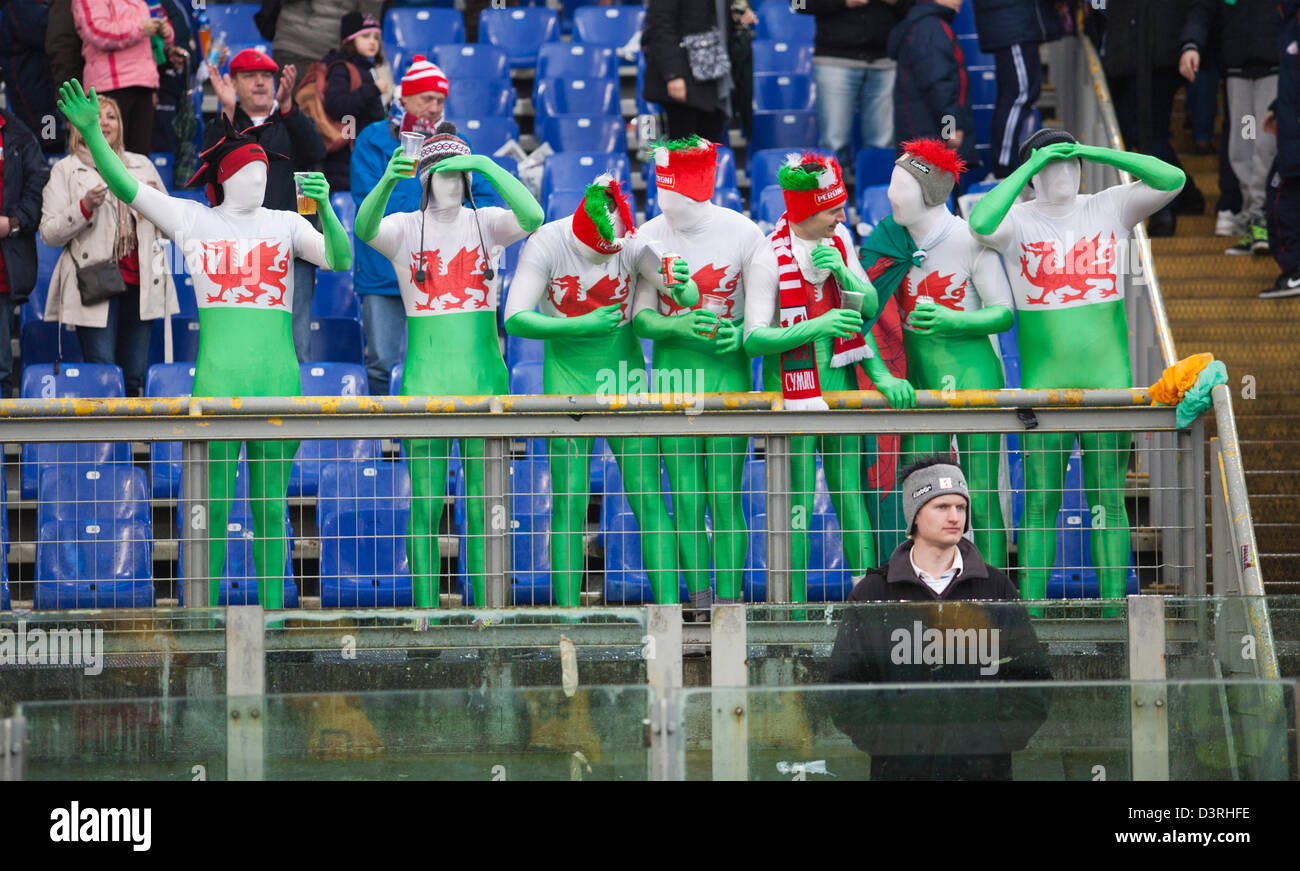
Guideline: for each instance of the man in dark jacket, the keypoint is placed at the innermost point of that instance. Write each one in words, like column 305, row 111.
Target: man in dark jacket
column 24, row 175
column 1011, row 31
column 27, row 69
column 1246, row 35
column 250, row 97
column 932, row 94
column 692, row 105
column 63, row 44
column 1282, row 204
column 853, row 71
column 1140, row 58
column 937, row 635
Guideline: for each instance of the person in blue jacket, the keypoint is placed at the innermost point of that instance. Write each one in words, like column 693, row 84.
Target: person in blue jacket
column 932, row 97
column 1011, row 31
column 26, row 69
column 424, row 91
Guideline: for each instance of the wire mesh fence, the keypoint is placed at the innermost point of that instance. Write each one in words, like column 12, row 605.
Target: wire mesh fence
column 316, row 508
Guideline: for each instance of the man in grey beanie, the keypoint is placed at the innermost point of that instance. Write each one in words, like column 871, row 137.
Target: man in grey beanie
column 941, row 735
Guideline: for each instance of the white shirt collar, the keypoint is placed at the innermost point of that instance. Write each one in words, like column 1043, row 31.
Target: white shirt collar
column 940, row 583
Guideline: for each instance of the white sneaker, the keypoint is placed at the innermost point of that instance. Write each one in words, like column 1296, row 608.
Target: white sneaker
column 1228, row 223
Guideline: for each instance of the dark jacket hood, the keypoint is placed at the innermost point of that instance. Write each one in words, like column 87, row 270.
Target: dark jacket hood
column 921, row 10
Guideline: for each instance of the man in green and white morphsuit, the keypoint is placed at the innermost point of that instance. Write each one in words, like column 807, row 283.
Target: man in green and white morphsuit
column 573, row 288
column 697, row 350
column 440, row 255
column 953, row 295
column 804, row 311
column 1062, row 252
column 241, row 258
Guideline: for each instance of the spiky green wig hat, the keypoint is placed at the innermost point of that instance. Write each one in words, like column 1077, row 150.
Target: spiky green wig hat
column 603, row 206
column 811, row 182
column 686, row 166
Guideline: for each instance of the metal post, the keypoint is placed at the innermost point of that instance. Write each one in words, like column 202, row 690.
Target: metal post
column 730, row 701
column 1227, row 582
column 496, row 510
column 194, row 522
column 245, row 691
column 1148, row 715
column 12, row 740
column 777, row 457
column 1234, row 477
column 663, row 653
column 1191, row 453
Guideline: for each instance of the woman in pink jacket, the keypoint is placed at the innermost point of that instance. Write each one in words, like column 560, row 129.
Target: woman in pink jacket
column 116, row 44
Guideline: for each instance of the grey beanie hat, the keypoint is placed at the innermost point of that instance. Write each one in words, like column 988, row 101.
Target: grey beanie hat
column 936, row 184
column 929, row 483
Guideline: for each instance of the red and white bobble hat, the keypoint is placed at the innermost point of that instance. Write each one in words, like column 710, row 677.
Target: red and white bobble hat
column 810, row 183
column 603, row 220
column 422, row 75
column 687, row 166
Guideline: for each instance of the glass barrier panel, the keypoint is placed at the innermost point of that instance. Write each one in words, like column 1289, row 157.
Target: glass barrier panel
column 397, row 650
column 1046, row 730
column 160, row 652
column 545, row 733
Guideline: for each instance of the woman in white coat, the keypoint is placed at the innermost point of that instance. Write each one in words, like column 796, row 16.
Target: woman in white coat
column 78, row 212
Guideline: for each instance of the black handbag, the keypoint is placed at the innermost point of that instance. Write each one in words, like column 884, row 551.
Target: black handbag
column 98, row 282
column 266, row 17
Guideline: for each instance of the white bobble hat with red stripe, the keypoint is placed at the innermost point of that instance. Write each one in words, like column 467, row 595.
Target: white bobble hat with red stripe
column 422, row 75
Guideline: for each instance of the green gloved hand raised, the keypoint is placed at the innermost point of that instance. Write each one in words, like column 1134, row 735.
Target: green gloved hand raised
column 527, row 211
column 338, row 250
column 684, row 290
column 82, row 111
column 400, row 166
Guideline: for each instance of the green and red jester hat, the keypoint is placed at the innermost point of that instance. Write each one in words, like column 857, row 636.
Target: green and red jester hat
column 810, row 183
column 687, row 167
column 603, row 220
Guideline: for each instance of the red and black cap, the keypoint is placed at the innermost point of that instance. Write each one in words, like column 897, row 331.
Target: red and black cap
column 229, row 154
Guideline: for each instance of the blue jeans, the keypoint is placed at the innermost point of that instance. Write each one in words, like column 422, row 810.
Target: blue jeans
column 844, row 91
column 384, row 319
column 304, row 288
column 123, row 340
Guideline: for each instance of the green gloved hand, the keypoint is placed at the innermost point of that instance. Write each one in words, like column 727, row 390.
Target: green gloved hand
column 400, row 166
column 684, row 290
column 730, row 335
column 82, row 111
column 527, row 211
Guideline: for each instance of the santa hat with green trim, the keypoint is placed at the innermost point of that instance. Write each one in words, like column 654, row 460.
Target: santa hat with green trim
column 603, row 220
column 687, row 166
column 811, row 183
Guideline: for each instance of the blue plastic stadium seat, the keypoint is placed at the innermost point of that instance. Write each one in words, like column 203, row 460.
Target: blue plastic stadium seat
column 963, row 23
column 530, row 536
column 38, row 340
column 584, row 133
column 518, row 32
column 782, row 56
column 793, row 130
column 764, row 165
column 185, row 340
column 363, row 510
column 828, row 578
column 1073, row 574
column 337, row 340
column 778, row 20
column 874, row 166
column 562, row 203
column 488, row 132
column 79, row 380
column 162, row 161
column 983, row 124
column 566, row 60
column 644, row 106
column 783, row 92
column 626, row 579
column 574, row 170
column 329, row 379
column 873, row 204
column 771, row 205
column 46, row 258
column 4, row 545
column 480, row 97
column 983, row 88
column 345, row 207
column 522, row 350
column 415, row 31
column 93, row 493
column 975, row 59
column 591, row 97
column 334, row 296
column 611, row 26
column 460, row 61
column 167, row 379
column 526, row 378
column 235, row 20
column 103, row 564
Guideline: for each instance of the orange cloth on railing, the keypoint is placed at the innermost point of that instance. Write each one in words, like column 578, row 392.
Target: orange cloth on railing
column 1179, row 378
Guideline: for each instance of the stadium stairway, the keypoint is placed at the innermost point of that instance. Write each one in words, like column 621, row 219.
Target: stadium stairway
column 1213, row 305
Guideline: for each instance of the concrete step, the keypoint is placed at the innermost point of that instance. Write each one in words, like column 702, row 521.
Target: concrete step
column 1218, row 265
column 1228, row 330
column 1217, row 288
column 1187, row 306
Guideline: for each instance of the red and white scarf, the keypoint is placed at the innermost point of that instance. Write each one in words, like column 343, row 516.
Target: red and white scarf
column 799, row 301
